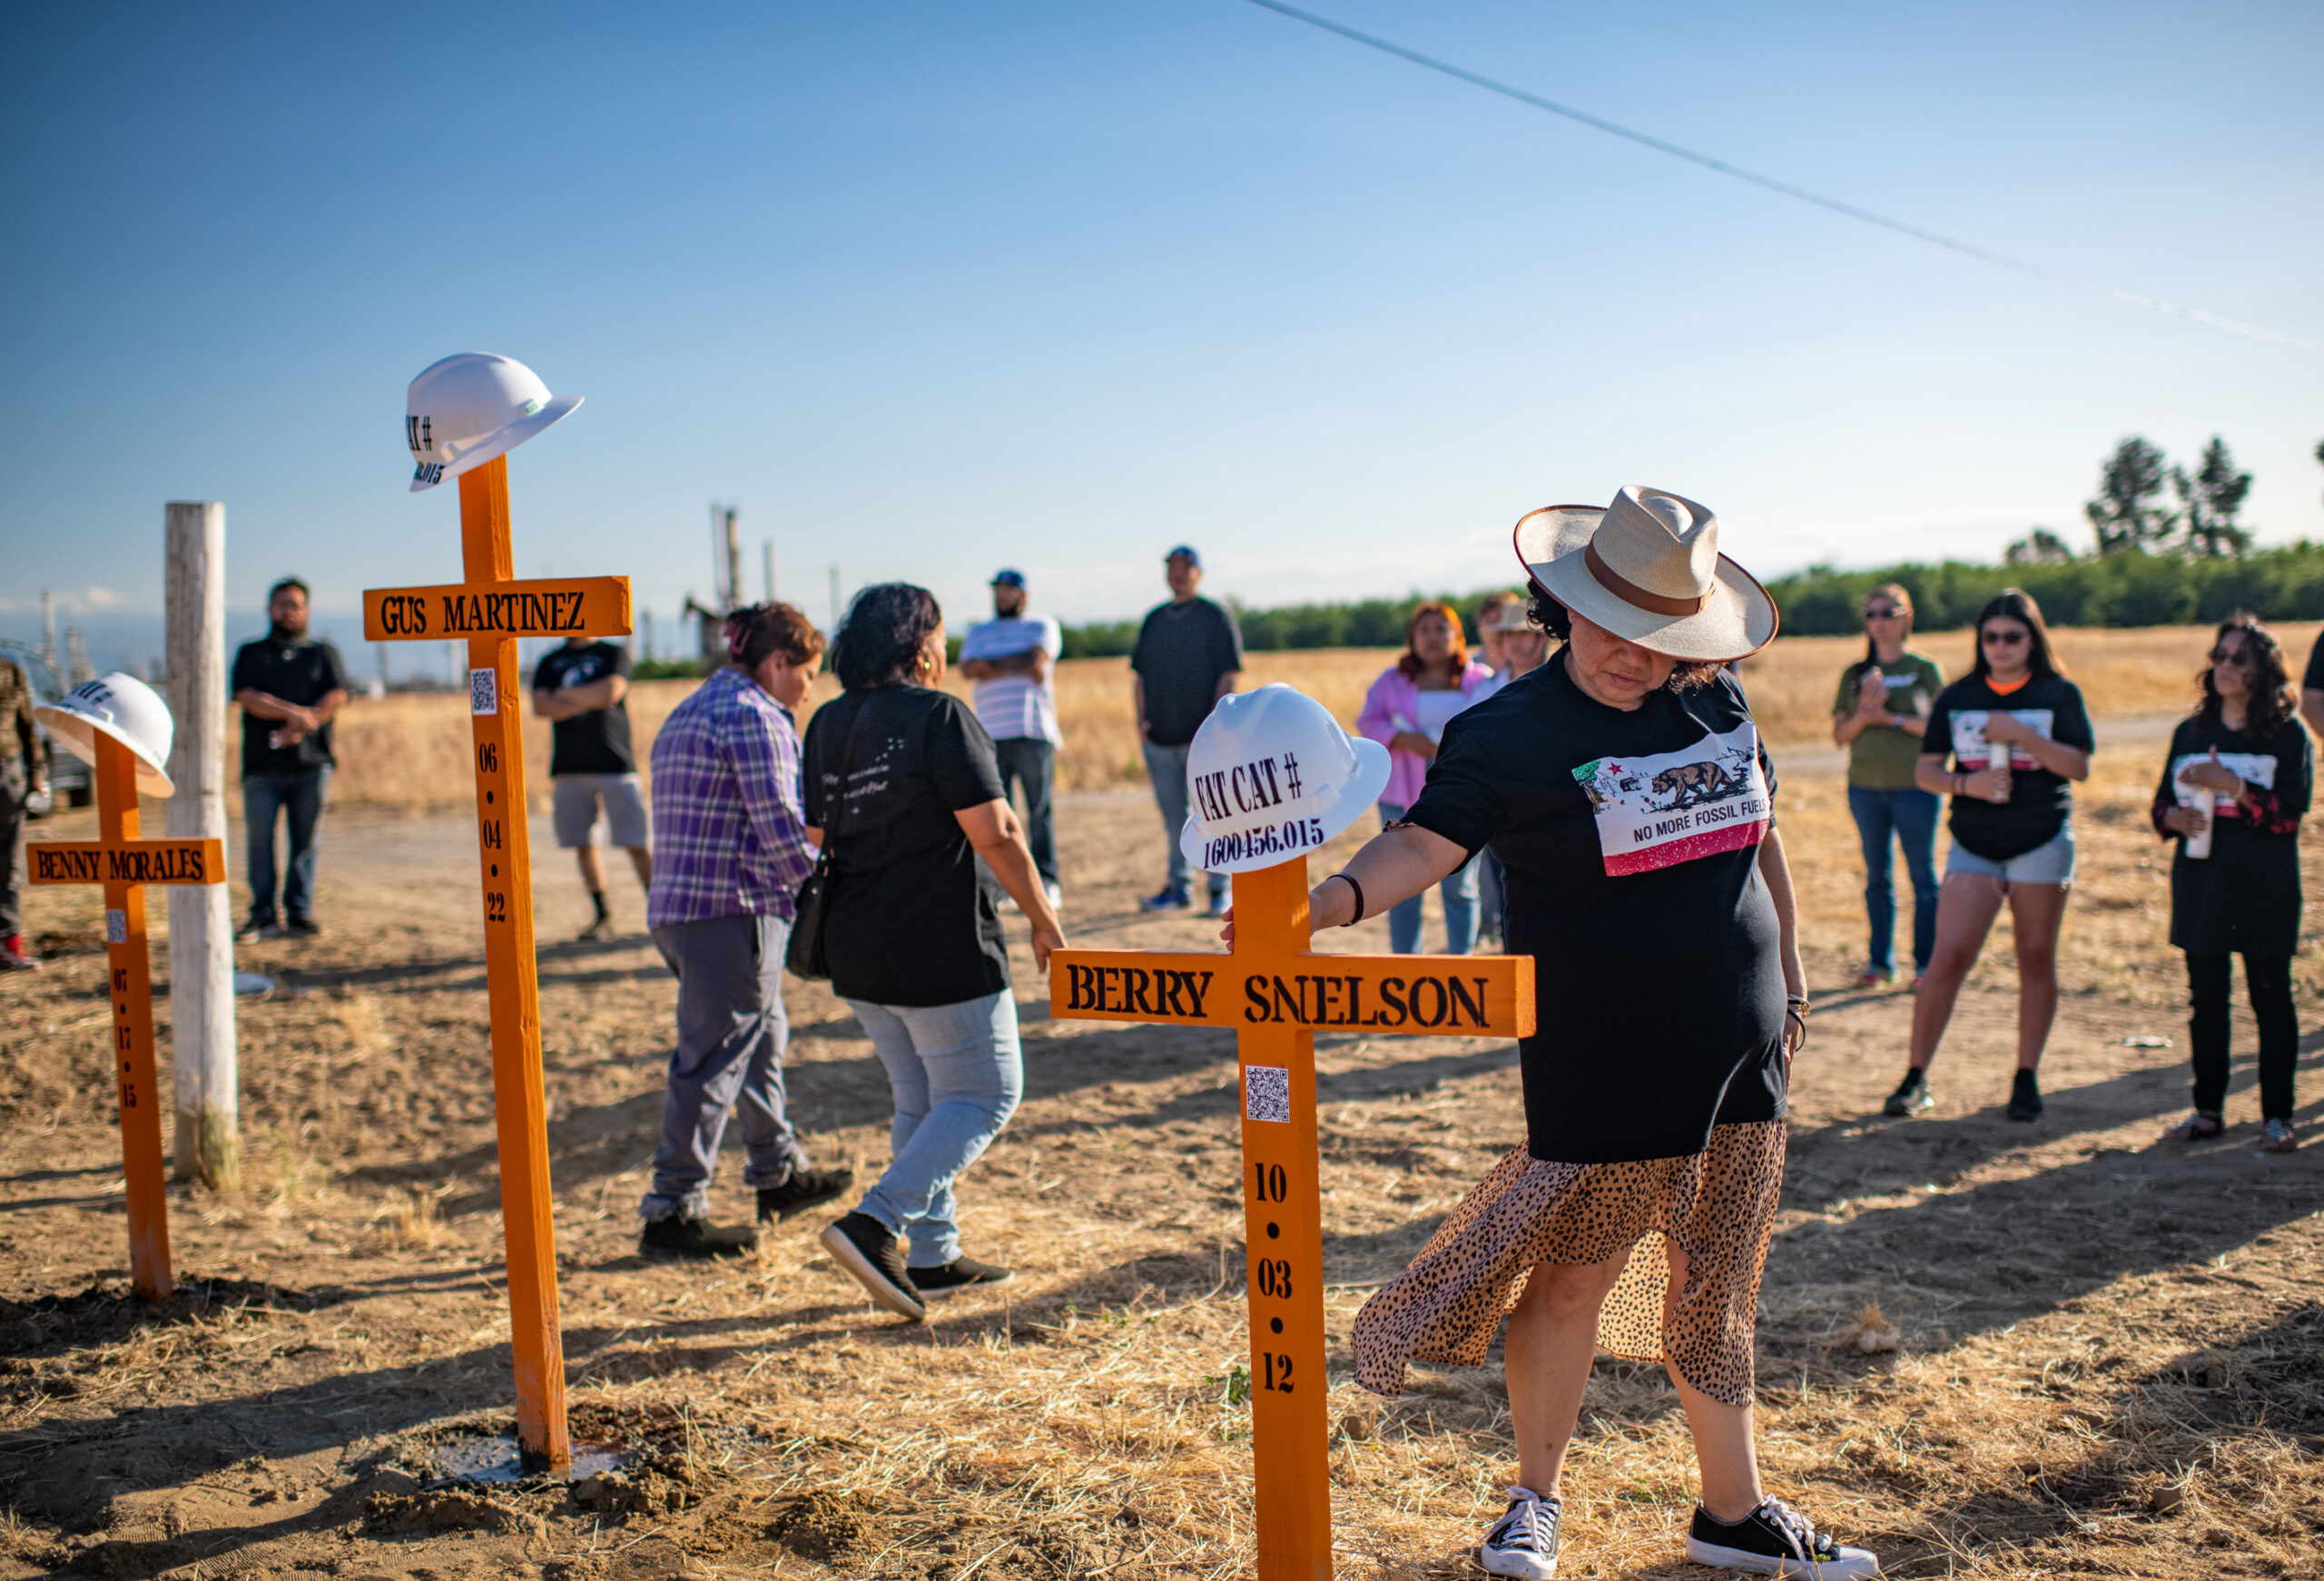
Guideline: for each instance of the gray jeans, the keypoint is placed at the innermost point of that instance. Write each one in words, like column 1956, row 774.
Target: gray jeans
column 1167, row 767
column 732, row 1033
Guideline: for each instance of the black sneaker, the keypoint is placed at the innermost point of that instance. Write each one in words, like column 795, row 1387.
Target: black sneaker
column 596, row 930
column 2025, row 1097
column 806, row 1188
column 1911, row 1097
column 1776, row 1540
column 304, row 927
column 678, row 1237
column 945, row 1279
column 1524, row 1541
column 873, row 1255
column 258, row 927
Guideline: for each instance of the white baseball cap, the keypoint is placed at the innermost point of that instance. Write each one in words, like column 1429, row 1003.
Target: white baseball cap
column 125, row 709
column 464, row 410
column 1271, row 776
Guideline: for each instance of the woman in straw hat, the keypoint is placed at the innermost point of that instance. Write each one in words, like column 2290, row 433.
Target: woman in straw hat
column 1623, row 786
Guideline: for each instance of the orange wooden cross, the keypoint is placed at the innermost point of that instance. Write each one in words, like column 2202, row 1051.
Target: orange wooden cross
column 1275, row 992
column 492, row 610
column 124, row 865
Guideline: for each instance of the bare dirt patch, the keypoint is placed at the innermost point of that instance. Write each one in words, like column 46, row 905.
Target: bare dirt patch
column 2105, row 1362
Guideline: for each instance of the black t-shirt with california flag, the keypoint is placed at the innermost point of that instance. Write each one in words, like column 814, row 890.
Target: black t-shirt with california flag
column 2039, row 802
column 1630, row 841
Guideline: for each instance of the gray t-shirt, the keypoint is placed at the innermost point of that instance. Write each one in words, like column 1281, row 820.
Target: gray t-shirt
column 1182, row 651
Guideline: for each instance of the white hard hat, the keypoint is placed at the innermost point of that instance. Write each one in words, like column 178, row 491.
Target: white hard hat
column 125, row 709
column 1271, row 776
column 465, row 411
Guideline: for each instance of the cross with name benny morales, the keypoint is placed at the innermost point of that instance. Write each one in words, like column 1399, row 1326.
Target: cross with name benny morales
column 1272, row 777
column 463, row 415
column 117, row 725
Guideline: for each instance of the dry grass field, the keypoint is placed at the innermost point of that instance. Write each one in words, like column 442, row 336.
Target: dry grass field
column 398, row 753
column 2109, row 1361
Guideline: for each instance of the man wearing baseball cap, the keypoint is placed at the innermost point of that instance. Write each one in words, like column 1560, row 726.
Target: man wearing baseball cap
column 1189, row 654
column 1009, row 658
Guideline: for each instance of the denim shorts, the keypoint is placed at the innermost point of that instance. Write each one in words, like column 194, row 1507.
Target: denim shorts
column 2051, row 863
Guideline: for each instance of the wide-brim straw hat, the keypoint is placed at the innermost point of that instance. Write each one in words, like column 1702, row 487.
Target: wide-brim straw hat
column 1647, row 568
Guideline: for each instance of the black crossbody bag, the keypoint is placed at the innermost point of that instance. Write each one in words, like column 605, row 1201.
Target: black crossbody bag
column 806, row 956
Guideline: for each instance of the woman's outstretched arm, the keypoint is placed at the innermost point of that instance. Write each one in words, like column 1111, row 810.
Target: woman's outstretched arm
column 1393, row 865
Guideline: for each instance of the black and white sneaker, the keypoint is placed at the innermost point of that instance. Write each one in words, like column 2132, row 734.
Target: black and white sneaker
column 1776, row 1540
column 873, row 1256
column 2025, row 1098
column 806, row 1188
column 1524, row 1541
column 963, row 1272
column 1911, row 1097
column 678, row 1236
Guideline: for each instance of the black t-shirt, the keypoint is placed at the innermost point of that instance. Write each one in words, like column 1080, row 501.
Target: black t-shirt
column 2244, row 896
column 299, row 670
column 2039, row 802
column 1630, row 845
column 911, row 918
column 2314, row 679
column 597, row 742
column 1182, row 651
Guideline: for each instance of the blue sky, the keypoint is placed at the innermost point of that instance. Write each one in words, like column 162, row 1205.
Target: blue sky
column 927, row 289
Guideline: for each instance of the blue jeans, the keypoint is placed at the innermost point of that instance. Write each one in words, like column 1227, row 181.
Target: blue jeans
column 1460, row 893
column 299, row 798
column 1909, row 817
column 731, row 1032
column 957, row 1072
column 1167, row 767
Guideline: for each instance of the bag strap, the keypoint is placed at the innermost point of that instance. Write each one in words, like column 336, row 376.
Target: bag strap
column 847, row 765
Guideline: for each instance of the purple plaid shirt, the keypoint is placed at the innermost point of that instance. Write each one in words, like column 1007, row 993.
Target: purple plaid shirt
column 728, row 836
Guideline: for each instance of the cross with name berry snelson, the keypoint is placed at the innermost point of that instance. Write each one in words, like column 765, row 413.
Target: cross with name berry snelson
column 1275, row 992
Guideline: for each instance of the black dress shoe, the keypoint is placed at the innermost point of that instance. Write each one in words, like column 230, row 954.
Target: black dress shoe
column 678, row 1237
column 806, row 1188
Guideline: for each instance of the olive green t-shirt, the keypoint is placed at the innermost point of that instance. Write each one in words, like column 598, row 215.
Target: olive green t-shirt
column 1883, row 757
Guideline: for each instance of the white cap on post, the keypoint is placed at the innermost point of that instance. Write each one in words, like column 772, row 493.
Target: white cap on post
column 124, row 708
column 465, row 411
column 1271, row 776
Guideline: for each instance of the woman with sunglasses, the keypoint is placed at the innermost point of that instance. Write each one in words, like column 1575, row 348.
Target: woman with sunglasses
column 2245, row 747
column 1880, row 715
column 2017, row 734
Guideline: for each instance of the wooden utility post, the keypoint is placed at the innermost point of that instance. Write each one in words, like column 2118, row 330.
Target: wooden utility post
column 1275, row 992
column 491, row 611
column 202, row 919
column 124, row 865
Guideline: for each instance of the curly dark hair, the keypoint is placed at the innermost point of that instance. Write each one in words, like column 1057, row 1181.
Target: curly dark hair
column 1558, row 621
column 759, row 630
column 2271, row 701
column 879, row 638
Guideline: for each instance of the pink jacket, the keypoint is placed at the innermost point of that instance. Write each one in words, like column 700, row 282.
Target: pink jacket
column 1395, row 697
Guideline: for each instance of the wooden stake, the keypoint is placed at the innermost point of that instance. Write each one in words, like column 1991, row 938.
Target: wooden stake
column 131, row 985
column 202, row 920
column 504, row 847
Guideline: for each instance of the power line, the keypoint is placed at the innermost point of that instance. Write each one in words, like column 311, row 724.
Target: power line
column 1836, row 205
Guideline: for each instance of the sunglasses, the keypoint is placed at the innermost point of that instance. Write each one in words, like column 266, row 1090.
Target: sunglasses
column 1882, row 613
column 2004, row 639
column 2242, row 658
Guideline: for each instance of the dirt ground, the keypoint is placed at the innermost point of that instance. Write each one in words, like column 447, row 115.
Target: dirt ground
column 2112, row 1356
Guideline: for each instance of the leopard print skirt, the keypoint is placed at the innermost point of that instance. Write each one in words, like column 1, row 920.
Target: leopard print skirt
column 1718, row 1206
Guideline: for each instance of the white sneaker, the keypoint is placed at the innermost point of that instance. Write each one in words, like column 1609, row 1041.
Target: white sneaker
column 1056, row 894
column 1776, row 1540
column 1524, row 1541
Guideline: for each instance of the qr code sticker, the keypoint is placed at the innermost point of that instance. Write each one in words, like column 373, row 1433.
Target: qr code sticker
column 116, row 927
column 484, row 691
column 1267, row 1093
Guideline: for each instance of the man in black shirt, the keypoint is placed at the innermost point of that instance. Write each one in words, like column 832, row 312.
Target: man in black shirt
column 287, row 686
column 1189, row 654
column 579, row 688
